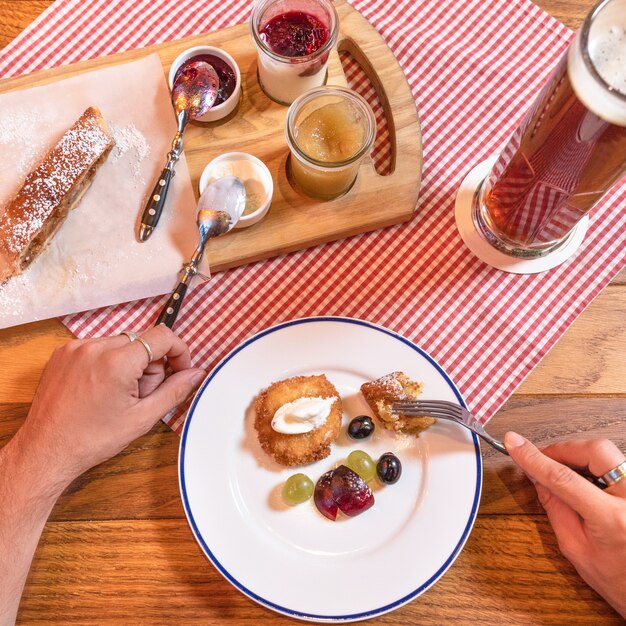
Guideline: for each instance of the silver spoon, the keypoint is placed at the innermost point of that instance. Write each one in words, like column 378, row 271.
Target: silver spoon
column 193, row 94
column 219, row 209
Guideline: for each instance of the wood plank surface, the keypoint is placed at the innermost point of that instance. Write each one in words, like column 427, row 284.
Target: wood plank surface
column 15, row 15
column 118, row 550
column 589, row 358
column 165, row 580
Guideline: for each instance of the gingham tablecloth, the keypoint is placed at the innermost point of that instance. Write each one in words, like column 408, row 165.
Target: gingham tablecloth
column 474, row 68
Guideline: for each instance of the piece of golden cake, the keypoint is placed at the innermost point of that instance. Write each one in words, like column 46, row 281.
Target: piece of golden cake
column 50, row 191
column 288, row 407
column 383, row 392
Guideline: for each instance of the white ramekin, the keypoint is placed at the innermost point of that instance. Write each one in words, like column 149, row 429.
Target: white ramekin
column 228, row 106
column 231, row 163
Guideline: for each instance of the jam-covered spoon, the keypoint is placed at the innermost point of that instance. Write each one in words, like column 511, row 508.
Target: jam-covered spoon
column 193, row 94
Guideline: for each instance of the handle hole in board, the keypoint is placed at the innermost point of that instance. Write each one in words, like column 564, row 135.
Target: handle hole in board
column 383, row 152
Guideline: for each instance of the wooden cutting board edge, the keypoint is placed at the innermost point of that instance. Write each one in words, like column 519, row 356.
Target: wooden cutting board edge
column 294, row 221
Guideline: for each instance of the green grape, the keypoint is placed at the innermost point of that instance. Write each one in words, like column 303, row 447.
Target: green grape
column 361, row 463
column 298, row 488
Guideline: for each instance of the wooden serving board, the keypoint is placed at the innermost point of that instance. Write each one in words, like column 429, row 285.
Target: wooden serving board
column 257, row 126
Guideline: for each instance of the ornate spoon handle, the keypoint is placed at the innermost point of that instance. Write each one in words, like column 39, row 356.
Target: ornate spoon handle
column 156, row 201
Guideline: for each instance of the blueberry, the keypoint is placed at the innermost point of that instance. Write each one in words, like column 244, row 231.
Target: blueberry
column 361, row 427
column 389, row 468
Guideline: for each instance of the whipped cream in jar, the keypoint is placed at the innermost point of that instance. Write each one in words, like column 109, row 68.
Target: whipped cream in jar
column 293, row 39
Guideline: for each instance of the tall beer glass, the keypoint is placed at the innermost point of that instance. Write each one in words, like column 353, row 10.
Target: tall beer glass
column 570, row 148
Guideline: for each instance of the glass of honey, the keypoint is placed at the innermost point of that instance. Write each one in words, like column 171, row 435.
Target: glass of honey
column 329, row 131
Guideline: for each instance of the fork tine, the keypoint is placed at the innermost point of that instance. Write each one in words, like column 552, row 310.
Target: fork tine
column 442, row 409
column 425, row 407
column 424, row 404
column 433, row 403
column 431, row 413
column 403, row 407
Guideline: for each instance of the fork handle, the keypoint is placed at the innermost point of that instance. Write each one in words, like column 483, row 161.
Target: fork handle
column 483, row 434
column 156, row 201
column 169, row 312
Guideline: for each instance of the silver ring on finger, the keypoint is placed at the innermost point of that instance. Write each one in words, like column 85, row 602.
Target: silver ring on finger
column 146, row 345
column 133, row 336
column 613, row 476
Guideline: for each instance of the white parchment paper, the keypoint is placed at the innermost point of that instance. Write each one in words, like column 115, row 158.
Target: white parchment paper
column 95, row 259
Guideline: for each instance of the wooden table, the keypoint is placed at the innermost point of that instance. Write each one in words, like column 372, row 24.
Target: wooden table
column 118, row 549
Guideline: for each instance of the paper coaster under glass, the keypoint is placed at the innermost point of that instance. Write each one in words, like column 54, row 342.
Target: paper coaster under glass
column 465, row 199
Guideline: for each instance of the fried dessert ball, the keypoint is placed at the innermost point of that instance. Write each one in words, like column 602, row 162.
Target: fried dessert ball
column 383, row 392
column 301, row 448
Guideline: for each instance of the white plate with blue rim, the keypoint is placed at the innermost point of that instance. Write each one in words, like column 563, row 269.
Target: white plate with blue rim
column 292, row 559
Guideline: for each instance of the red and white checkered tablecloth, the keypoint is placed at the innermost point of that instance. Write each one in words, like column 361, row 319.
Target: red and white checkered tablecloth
column 474, row 67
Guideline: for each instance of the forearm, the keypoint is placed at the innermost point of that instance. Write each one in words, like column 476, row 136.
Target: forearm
column 93, row 399
column 28, row 490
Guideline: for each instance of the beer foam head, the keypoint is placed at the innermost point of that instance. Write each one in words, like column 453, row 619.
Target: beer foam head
column 608, row 55
column 606, row 49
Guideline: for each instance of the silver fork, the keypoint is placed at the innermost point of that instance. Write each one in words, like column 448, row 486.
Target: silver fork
column 443, row 410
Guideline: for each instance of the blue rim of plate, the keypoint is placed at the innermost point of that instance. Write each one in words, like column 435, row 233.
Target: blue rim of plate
column 292, row 612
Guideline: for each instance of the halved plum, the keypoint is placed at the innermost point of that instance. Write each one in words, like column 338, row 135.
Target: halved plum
column 323, row 496
column 349, row 491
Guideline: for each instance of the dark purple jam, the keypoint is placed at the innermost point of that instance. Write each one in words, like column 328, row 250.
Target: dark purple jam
column 225, row 73
column 294, row 34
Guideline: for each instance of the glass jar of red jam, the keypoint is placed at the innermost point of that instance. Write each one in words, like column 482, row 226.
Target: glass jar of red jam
column 293, row 40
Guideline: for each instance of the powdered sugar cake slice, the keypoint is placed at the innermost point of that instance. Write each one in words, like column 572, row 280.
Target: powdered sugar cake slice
column 50, row 191
column 95, row 260
column 383, row 392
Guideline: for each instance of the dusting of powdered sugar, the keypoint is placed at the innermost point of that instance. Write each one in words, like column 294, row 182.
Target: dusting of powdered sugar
column 131, row 145
column 11, row 302
column 27, row 148
column 45, row 187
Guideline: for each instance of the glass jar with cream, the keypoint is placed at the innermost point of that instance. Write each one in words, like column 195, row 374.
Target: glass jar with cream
column 293, row 39
column 329, row 131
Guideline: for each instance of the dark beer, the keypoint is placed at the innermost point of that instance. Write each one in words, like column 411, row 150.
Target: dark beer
column 562, row 159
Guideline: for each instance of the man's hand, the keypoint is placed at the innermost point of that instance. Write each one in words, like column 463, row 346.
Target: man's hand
column 96, row 396
column 589, row 524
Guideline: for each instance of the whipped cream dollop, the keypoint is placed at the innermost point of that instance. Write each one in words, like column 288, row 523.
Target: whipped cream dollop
column 302, row 415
